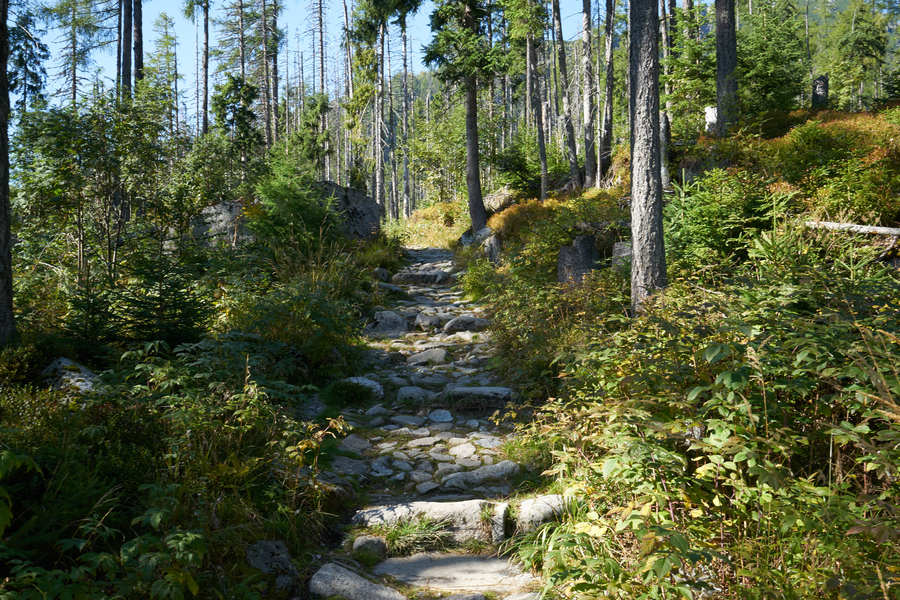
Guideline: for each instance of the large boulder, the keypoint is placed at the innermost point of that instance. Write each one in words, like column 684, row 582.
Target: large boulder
column 220, row 223
column 361, row 215
column 273, row 558
column 387, row 324
column 820, row 92
column 69, row 376
column 577, row 260
column 621, row 257
column 500, row 200
column 468, row 238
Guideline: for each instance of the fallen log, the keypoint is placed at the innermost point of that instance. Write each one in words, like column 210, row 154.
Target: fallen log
column 853, row 228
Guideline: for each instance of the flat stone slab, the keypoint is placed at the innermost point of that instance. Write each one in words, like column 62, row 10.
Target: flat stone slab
column 334, row 580
column 456, row 573
column 466, row 323
column 355, row 443
column 480, row 394
column 432, row 356
column 468, row 479
column 466, row 519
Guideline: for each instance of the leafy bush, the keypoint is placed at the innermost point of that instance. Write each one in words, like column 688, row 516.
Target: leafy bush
column 519, row 167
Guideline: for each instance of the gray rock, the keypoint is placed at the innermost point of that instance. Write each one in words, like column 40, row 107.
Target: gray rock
column 468, row 463
column 500, row 200
column 424, row 277
column 576, row 260
column 387, row 324
column 430, row 380
column 446, row 468
column 466, row 323
column 402, row 465
column 413, row 394
column 462, row 451
column 428, row 322
column 433, row 356
column 621, row 257
column 381, row 467
column 467, row 479
column 440, row 456
column 455, row 572
column 426, row 486
column 360, row 214
column 334, row 580
column 390, row 288
column 525, row 596
column 465, row 520
column 373, row 386
column 409, row 420
column 474, row 596
column 373, row 545
column 355, row 443
column 349, row 466
column 421, row 432
column 273, row 558
column 381, row 274
column 69, row 376
column 311, row 408
column 441, row 426
column 425, row 441
column 489, row 442
column 712, row 120
column 469, row 239
column 377, row 410
column 479, row 395
column 492, row 247
column 498, row 522
column 440, row 416
column 534, row 512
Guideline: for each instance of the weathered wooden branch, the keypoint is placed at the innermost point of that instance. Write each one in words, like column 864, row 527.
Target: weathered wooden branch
column 853, row 228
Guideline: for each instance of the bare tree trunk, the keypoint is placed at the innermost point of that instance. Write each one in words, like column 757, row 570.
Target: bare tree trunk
column 204, row 110
column 242, row 48
column 648, row 263
column 538, row 118
column 726, row 65
column 7, row 318
column 473, row 176
column 377, row 127
column 529, row 80
column 118, row 50
column 407, row 205
column 392, row 137
column 273, row 70
column 348, row 50
column 604, row 148
column 138, row 40
column 126, row 46
column 664, row 122
column 321, row 18
column 267, row 100
column 587, row 92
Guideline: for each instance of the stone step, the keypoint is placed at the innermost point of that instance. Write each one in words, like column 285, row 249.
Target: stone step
column 446, row 572
column 479, row 520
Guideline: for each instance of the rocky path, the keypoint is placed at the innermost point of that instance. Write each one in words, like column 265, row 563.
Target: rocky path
column 425, row 454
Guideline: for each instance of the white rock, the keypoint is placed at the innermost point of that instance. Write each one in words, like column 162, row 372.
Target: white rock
column 425, row 441
column 335, row 580
column 68, row 375
column 462, row 451
column 455, row 572
column 533, row 512
column 465, row 520
column 467, row 479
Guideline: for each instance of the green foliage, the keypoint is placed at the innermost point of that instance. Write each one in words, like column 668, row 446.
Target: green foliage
column 519, row 168
column 418, row 535
column 771, row 58
column 713, row 220
column 690, row 72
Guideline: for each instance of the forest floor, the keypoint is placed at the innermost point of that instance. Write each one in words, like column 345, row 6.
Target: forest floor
column 436, row 473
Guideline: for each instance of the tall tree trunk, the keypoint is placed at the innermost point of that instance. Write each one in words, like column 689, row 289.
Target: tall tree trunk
column 321, row 17
column 648, row 263
column 348, row 50
column 377, row 127
column 691, row 30
column 242, row 48
column 604, row 148
column 7, row 319
column 204, row 117
column 538, row 117
column 726, row 65
column 529, row 80
column 407, row 203
column 273, row 70
column 587, row 93
column 392, row 137
column 138, row 40
column 473, row 176
column 664, row 122
column 73, row 57
column 119, row 50
column 267, row 99
column 126, row 46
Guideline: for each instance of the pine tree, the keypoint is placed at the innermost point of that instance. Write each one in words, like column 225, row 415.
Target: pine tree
column 7, row 319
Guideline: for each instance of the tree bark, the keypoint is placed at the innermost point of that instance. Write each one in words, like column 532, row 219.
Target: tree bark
column 126, row 46
column 726, row 65
column 407, row 204
column 204, row 116
column 7, row 319
column 138, row 40
column 587, row 89
column 604, row 148
column 473, row 176
column 664, row 121
column 377, row 127
column 648, row 263
column 267, row 100
column 242, row 49
column 538, row 118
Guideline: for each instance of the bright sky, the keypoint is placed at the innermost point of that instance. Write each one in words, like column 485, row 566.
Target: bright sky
column 297, row 20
